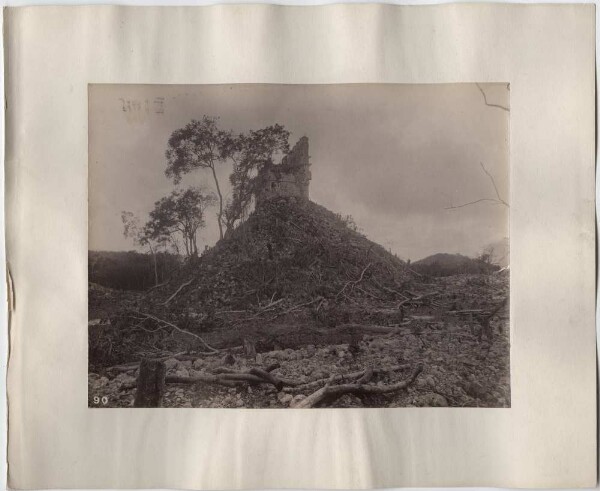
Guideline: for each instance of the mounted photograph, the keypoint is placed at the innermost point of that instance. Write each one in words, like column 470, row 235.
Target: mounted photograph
column 299, row 246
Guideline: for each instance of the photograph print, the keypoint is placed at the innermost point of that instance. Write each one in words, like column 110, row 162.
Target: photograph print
column 299, row 246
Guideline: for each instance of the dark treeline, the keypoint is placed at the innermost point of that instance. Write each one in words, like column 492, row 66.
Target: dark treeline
column 130, row 270
column 440, row 269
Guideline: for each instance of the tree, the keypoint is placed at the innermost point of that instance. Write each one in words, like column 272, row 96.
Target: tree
column 487, row 255
column 200, row 145
column 141, row 237
column 182, row 212
column 496, row 254
column 242, row 193
column 251, row 153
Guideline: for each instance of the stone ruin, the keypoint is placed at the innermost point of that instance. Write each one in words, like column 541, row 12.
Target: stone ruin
column 290, row 178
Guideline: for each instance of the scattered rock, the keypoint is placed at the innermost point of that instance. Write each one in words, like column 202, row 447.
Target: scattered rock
column 348, row 400
column 124, row 379
column 426, row 382
column 277, row 355
column 475, row 389
column 284, row 398
column 431, row 400
column 182, row 372
column 320, row 374
column 102, row 382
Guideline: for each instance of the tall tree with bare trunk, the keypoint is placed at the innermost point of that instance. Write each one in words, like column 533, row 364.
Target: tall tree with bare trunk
column 201, row 144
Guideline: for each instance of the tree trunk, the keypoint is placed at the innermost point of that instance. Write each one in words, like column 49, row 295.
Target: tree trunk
column 150, row 383
column 220, row 215
column 187, row 245
column 155, row 265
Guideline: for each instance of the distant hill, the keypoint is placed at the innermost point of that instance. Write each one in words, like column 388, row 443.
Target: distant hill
column 443, row 264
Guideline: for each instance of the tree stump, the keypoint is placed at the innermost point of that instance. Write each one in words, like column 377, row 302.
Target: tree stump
column 150, row 384
column 250, row 348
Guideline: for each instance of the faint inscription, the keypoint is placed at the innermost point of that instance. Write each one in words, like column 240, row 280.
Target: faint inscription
column 138, row 110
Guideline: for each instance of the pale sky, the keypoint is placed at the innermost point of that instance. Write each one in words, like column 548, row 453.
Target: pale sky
column 392, row 156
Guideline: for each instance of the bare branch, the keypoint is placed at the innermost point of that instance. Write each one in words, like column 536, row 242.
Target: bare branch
column 183, row 331
column 177, row 292
column 355, row 282
column 335, row 391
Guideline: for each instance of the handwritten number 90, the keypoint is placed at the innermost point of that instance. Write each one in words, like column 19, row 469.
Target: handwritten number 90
column 103, row 400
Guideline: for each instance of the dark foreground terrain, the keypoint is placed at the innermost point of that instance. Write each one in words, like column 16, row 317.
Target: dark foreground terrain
column 439, row 347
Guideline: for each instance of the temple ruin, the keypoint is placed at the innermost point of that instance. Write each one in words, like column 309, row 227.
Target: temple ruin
column 290, row 178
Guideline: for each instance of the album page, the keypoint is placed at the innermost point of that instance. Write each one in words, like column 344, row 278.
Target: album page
column 344, row 246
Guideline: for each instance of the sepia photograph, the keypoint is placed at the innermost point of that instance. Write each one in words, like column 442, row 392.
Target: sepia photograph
column 299, row 246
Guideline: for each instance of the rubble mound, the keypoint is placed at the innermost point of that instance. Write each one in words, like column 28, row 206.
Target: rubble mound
column 291, row 250
column 291, row 265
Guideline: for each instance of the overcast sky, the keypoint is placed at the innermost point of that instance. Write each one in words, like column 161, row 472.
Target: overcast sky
column 392, row 156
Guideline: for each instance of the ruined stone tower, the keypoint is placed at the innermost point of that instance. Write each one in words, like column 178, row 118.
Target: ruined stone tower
column 290, row 178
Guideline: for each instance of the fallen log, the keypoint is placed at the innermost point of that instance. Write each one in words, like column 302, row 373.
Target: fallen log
column 254, row 375
column 126, row 367
column 336, row 391
column 243, row 377
column 226, row 379
column 183, row 356
column 267, row 377
column 370, row 328
column 177, row 328
column 416, row 298
column 200, row 379
column 474, row 311
column 367, row 376
column 345, row 377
